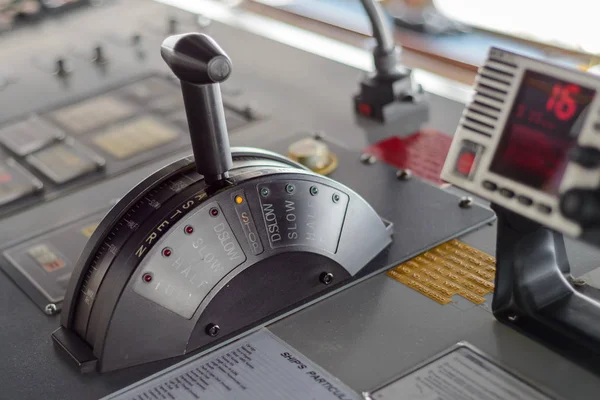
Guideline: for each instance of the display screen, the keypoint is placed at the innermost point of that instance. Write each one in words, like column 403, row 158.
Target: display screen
column 544, row 123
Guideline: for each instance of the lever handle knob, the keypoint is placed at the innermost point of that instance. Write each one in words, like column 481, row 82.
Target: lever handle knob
column 200, row 64
column 196, row 58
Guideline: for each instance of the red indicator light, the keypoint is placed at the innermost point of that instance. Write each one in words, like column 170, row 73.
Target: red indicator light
column 465, row 163
column 166, row 252
column 214, row 212
column 147, row 277
column 365, row 109
column 189, row 229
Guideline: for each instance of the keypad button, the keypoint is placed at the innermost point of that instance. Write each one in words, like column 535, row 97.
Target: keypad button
column 91, row 114
column 526, row 201
column 489, row 185
column 65, row 161
column 544, row 208
column 509, row 194
column 129, row 139
column 25, row 137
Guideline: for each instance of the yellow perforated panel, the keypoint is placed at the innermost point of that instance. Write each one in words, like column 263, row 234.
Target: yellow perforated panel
column 452, row 268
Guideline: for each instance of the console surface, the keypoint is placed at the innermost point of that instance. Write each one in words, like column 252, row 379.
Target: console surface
column 363, row 335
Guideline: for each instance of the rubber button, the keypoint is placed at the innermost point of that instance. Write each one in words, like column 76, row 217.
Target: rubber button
column 526, row 201
column 509, row 194
column 489, row 185
column 544, row 208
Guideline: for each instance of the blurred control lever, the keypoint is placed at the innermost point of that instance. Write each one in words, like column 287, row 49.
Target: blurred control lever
column 389, row 93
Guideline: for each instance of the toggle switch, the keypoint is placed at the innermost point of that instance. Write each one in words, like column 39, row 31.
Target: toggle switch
column 62, row 67
column 99, row 56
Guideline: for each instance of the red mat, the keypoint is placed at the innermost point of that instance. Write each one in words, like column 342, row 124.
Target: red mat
column 423, row 152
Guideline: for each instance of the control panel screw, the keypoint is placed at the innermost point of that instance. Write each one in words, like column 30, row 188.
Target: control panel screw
column 212, row 330
column 264, row 192
column 136, row 39
column 513, row 318
column 314, row 190
column 50, row 309
column 250, row 112
column 367, row 159
column 326, row 278
column 465, row 202
column 335, row 197
column 289, row 188
column 577, row 281
column 403, row 174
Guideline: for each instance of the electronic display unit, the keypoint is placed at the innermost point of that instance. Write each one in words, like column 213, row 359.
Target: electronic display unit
column 543, row 125
column 515, row 137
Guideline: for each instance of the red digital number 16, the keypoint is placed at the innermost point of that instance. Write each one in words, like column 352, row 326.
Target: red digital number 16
column 561, row 102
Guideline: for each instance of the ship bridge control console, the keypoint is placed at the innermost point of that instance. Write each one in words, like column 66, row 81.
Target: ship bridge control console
column 252, row 235
column 201, row 252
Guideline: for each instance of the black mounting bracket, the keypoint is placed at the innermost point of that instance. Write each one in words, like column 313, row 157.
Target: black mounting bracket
column 389, row 99
column 389, row 93
column 535, row 291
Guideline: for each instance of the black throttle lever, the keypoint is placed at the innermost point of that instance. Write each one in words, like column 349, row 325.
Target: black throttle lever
column 201, row 64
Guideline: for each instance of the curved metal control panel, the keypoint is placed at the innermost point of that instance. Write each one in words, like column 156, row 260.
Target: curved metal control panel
column 202, row 251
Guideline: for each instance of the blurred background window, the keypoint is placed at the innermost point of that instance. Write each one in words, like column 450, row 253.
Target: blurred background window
column 564, row 23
